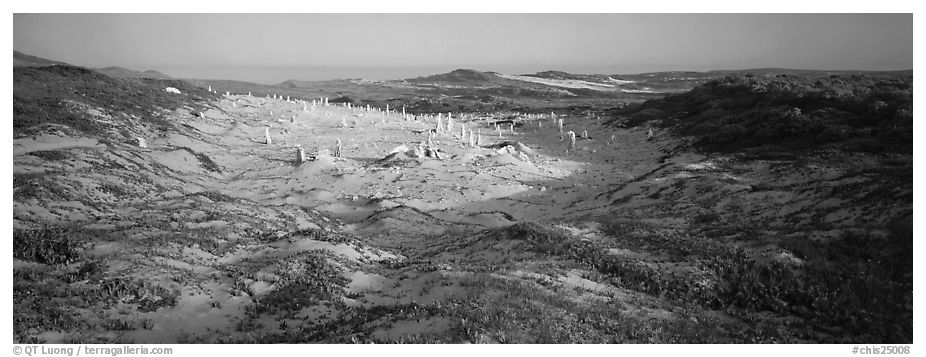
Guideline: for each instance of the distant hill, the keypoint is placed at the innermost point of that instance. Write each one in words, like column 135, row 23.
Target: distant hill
column 23, row 60
column 461, row 76
column 294, row 84
column 560, row 75
column 491, row 83
column 810, row 73
column 233, row 86
column 119, row 72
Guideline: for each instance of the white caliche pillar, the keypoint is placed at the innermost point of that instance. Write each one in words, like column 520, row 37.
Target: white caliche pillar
column 572, row 141
column 300, row 155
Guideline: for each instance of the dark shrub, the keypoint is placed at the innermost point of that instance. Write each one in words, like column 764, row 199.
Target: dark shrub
column 728, row 134
column 47, row 245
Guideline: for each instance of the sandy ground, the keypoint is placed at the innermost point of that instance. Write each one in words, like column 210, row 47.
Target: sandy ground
column 221, row 236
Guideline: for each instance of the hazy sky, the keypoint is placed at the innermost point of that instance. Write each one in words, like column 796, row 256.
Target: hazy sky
column 612, row 43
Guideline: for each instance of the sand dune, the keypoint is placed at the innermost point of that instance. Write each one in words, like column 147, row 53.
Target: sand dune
column 243, row 223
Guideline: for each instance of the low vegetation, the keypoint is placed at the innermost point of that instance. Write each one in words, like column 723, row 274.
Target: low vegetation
column 852, row 112
column 41, row 95
column 57, row 286
column 47, row 245
column 860, row 284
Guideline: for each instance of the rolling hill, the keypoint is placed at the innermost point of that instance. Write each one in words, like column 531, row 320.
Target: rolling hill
column 23, row 60
column 91, row 102
column 461, row 76
column 119, row 72
column 871, row 112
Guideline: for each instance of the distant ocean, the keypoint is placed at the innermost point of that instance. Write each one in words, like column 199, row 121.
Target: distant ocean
column 275, row 75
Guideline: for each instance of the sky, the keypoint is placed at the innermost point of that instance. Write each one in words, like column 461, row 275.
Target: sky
column 210, row 45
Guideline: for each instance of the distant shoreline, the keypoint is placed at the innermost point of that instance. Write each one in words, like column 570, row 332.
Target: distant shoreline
column 271, row 75
column 277, row 74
